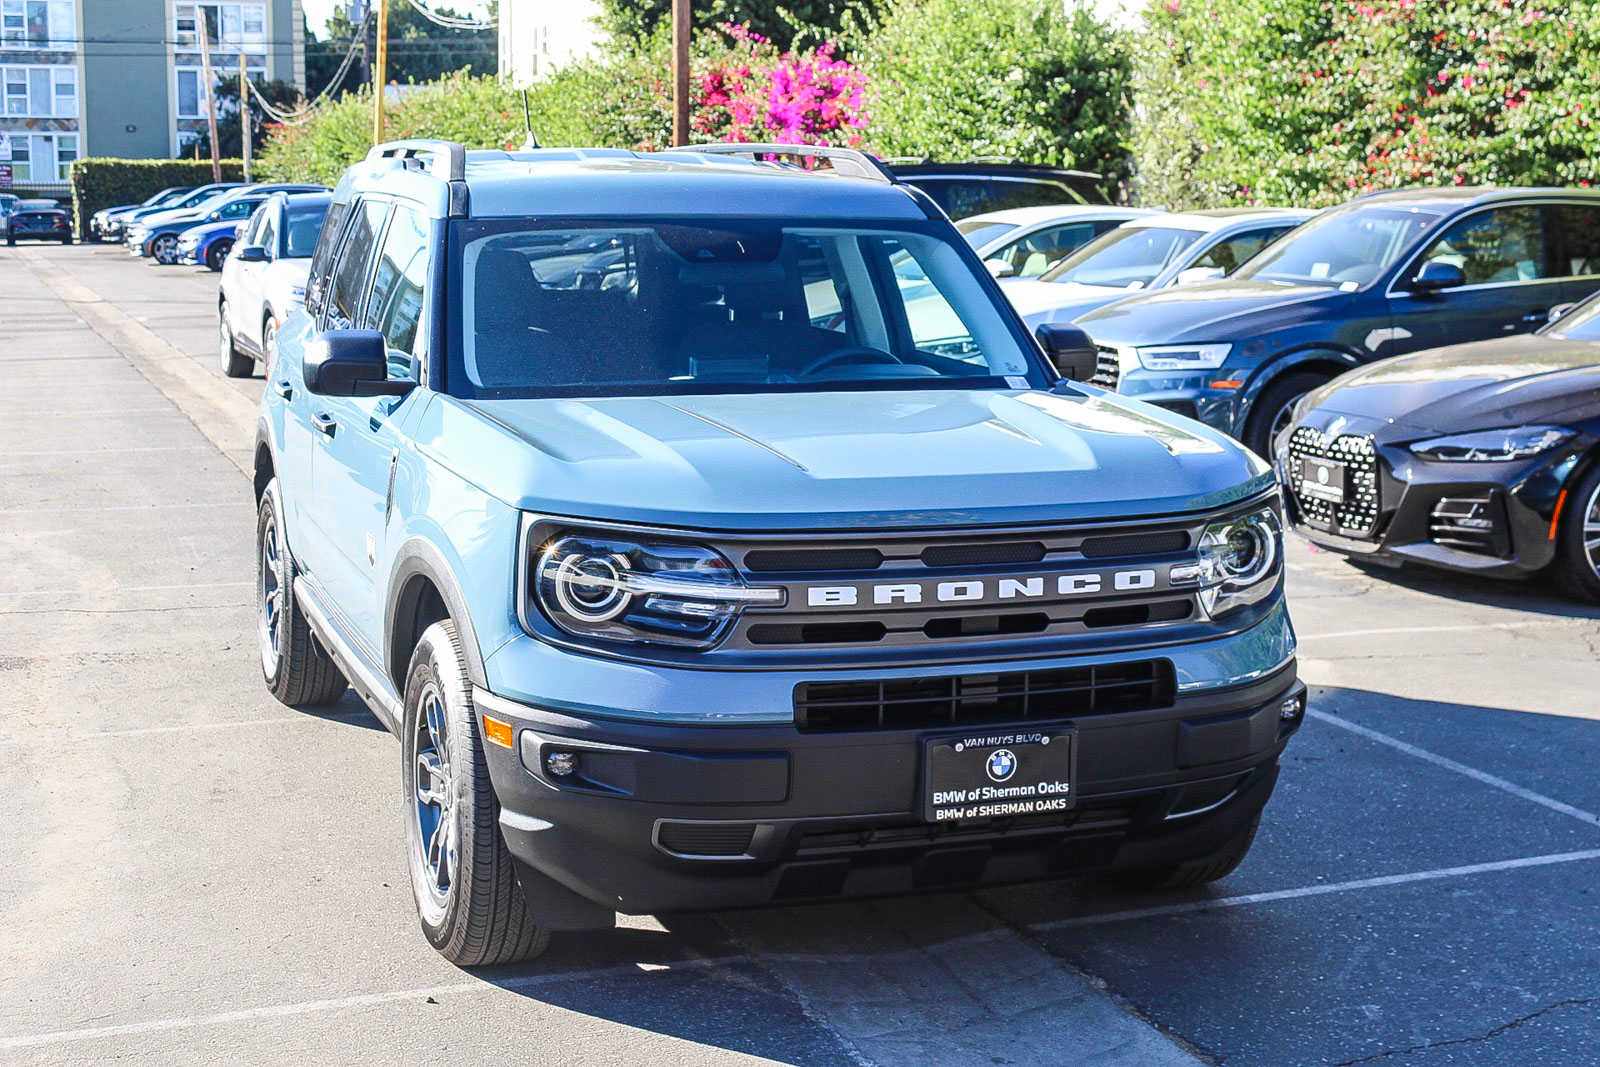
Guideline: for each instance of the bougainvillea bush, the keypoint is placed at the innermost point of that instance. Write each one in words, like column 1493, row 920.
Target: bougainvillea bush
column 1309, row 101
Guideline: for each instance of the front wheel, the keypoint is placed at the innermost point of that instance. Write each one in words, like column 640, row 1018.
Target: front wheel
column 1577, row 566
column 1274, row 408
column 471, row 904
column 217, row 253
column 165, row 249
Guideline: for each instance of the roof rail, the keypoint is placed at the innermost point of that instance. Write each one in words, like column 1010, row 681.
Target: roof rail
column 847, row 161
column 447, row 159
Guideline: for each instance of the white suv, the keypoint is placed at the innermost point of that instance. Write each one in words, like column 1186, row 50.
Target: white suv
column 264, row 277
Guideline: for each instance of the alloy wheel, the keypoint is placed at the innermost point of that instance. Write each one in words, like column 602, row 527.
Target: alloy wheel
column 163, row 248
column 1281, row 419
column 1591, row 530
column 269, row 344
column 269, row 599
column 433, row 799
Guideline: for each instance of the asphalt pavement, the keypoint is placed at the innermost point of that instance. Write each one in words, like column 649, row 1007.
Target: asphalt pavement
column 198, row 873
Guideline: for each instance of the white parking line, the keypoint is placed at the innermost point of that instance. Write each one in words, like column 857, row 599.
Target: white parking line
column 117, row 590
column 1459, row 768
column 105, row 451
column 281, row 720
column 1460, row 628
column 1192, row 906
column 77, row 508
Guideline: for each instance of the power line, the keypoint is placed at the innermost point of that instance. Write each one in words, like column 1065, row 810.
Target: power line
column 451, row 22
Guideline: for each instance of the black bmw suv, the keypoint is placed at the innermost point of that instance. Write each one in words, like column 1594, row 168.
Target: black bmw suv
column 1383, row 275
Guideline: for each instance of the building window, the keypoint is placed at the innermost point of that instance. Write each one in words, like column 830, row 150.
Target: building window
column 40, row 91
column 43, row 157
column 37, row 24
column 229, row 26
column 191, row 91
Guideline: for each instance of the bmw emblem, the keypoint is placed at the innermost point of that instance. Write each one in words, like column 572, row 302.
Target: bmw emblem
column 1002, row 764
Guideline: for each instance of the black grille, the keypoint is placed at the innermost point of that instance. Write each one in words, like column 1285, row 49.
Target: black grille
column 813, row 559
column 1471, row 524
column 1357, row 515
column 706, row 839
column 1107, row 368
column 977, row 555
column 958, row 700
column 1135, row 544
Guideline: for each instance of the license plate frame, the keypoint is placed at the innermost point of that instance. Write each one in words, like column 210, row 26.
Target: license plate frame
column 957, row 769
column 1324, row 479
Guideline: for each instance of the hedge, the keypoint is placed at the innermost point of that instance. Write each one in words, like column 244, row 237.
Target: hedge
column 101, row 182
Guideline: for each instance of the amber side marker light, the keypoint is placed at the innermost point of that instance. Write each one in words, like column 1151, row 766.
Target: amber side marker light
column 498, row 732
column 1555, row 519
column 1227, row 383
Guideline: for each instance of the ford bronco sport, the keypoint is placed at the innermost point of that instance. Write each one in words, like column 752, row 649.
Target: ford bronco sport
column 711, row 533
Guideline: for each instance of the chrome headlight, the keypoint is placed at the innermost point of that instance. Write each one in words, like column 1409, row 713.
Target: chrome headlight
column 1494, row 446
column 599, row 585
column 1240, row 562
column 1183, row 357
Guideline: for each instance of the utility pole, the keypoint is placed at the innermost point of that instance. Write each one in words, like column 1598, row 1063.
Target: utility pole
column 378, row 72
column 680, row 71
column 211, row 93
column 358, row 19
column 245, row 119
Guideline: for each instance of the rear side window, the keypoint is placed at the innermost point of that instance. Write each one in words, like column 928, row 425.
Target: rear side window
column 322, row 258
column 961, row 197
column 1575, row 235
column 350, row 275
column 397, row 286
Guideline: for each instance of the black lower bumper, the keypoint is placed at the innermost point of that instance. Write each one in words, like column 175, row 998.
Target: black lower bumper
column 658, row 819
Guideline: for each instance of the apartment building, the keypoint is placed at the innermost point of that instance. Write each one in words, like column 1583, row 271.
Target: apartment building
column 123, row 77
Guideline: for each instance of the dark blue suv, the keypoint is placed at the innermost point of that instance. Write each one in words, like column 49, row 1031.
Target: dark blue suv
column 1385, row 274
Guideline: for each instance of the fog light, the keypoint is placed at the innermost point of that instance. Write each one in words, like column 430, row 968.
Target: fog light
column 561, row 764
column 1292, row 707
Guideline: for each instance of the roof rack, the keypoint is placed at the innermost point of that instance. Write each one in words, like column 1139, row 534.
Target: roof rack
column 846, row 161
column 447, row 159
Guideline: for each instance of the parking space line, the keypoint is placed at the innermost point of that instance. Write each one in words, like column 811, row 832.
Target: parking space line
column 362, row 1000
column 1458, row 628
column 331, row 716
column 1459, row 768
column 121, row 589
column 1382, row 881
column 105, row 451
column 74, row 508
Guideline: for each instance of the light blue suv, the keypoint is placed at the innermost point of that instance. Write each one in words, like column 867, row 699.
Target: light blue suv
column 712, row 533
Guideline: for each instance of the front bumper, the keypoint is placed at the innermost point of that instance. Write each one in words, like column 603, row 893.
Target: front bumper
column 664, row 818
column 1493, row 519
column 1187, row 393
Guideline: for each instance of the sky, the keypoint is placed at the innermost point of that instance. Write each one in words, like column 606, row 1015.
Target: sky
column 317, row 11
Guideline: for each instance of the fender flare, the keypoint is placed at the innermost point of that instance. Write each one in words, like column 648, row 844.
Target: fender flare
column 1288, row 363
column 418, row 557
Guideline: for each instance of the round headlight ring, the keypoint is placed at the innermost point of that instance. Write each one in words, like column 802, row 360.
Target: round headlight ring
column 1249, row 550
column 590, row 588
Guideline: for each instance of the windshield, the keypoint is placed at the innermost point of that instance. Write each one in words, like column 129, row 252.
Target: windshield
column 1128, row 257
column 698, row 306
column 1347, row 247
column 1582, row 323
column 979, row 234
column 303, row 226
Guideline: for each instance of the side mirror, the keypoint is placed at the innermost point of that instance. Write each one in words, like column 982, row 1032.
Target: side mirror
column 1069, row 348
column 1436, row 275
column 252, row 254
column 351, row 363
column 1193, row 275
column 1001, row 268
column 1559, row 310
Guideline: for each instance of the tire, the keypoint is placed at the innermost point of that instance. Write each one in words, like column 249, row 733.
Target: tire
column 1270, row 411
column 67, row 240
column 269, row 344
column 1192, row 873
column 234, row 363
column 217, row 253
column 164, row 249
column 470, row 902
column 1577, row 565
column 297, row 670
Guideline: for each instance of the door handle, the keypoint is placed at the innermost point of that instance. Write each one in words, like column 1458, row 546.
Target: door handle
column 325, row 423
column 1536, row 316
column 283, row 389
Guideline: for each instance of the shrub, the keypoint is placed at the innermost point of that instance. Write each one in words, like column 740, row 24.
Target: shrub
column 1029, row 79
column 101, row 183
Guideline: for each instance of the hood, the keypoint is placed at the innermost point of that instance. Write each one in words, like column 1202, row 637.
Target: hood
column 843, row 460
column 1508, row 381
column 1208, row 311
column 1040, row 302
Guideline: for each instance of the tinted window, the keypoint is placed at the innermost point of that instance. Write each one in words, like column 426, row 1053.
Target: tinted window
column 1228, row 256
column 1502, row 245
column 734, row 306
column 1346, row 247
column 961, row 197
column 349, row 277
column 1575, row 238
column 1128, row 257
column 238, row 209
column 322, row 260
column 397, row 285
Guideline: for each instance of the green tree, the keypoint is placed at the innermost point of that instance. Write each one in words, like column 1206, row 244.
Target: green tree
column 782, row 23
column 419, row 50
column 280, row 94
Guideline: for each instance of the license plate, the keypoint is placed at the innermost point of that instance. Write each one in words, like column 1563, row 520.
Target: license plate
column 985, row 775
column 1322, row 479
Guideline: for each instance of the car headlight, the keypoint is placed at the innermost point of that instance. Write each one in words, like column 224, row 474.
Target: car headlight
column 1183, row 357
column 1494, row 446
column 603, row 586
column 1240, row 561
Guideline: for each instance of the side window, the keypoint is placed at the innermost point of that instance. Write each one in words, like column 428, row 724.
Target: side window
column 348, row 287
column 322, row 258
column 267, row 233
column 247, row 232
column 1228, row 256
column 240, row 209
column 1502, row 245
column 824, row 287
column 397, row 288
column 1575, row 235
column 935, row 326
column 1038, row 252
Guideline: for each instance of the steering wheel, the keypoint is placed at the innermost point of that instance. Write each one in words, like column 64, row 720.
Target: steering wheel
column 852, row 353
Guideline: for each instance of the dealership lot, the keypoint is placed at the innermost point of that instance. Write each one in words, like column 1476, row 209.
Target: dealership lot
column 200, row 872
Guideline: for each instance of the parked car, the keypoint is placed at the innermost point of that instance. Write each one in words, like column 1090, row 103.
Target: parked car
column 265, row 278
column 8, row 204
column 1024, row 242
column 682, row 593
column 106, row 224
column 193, row 198
column 156, row 236
column 1482, row 457
column 1383, row 275
column 207, row 244
column 39, row 220
column 983, row 185
column 1156, row 251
